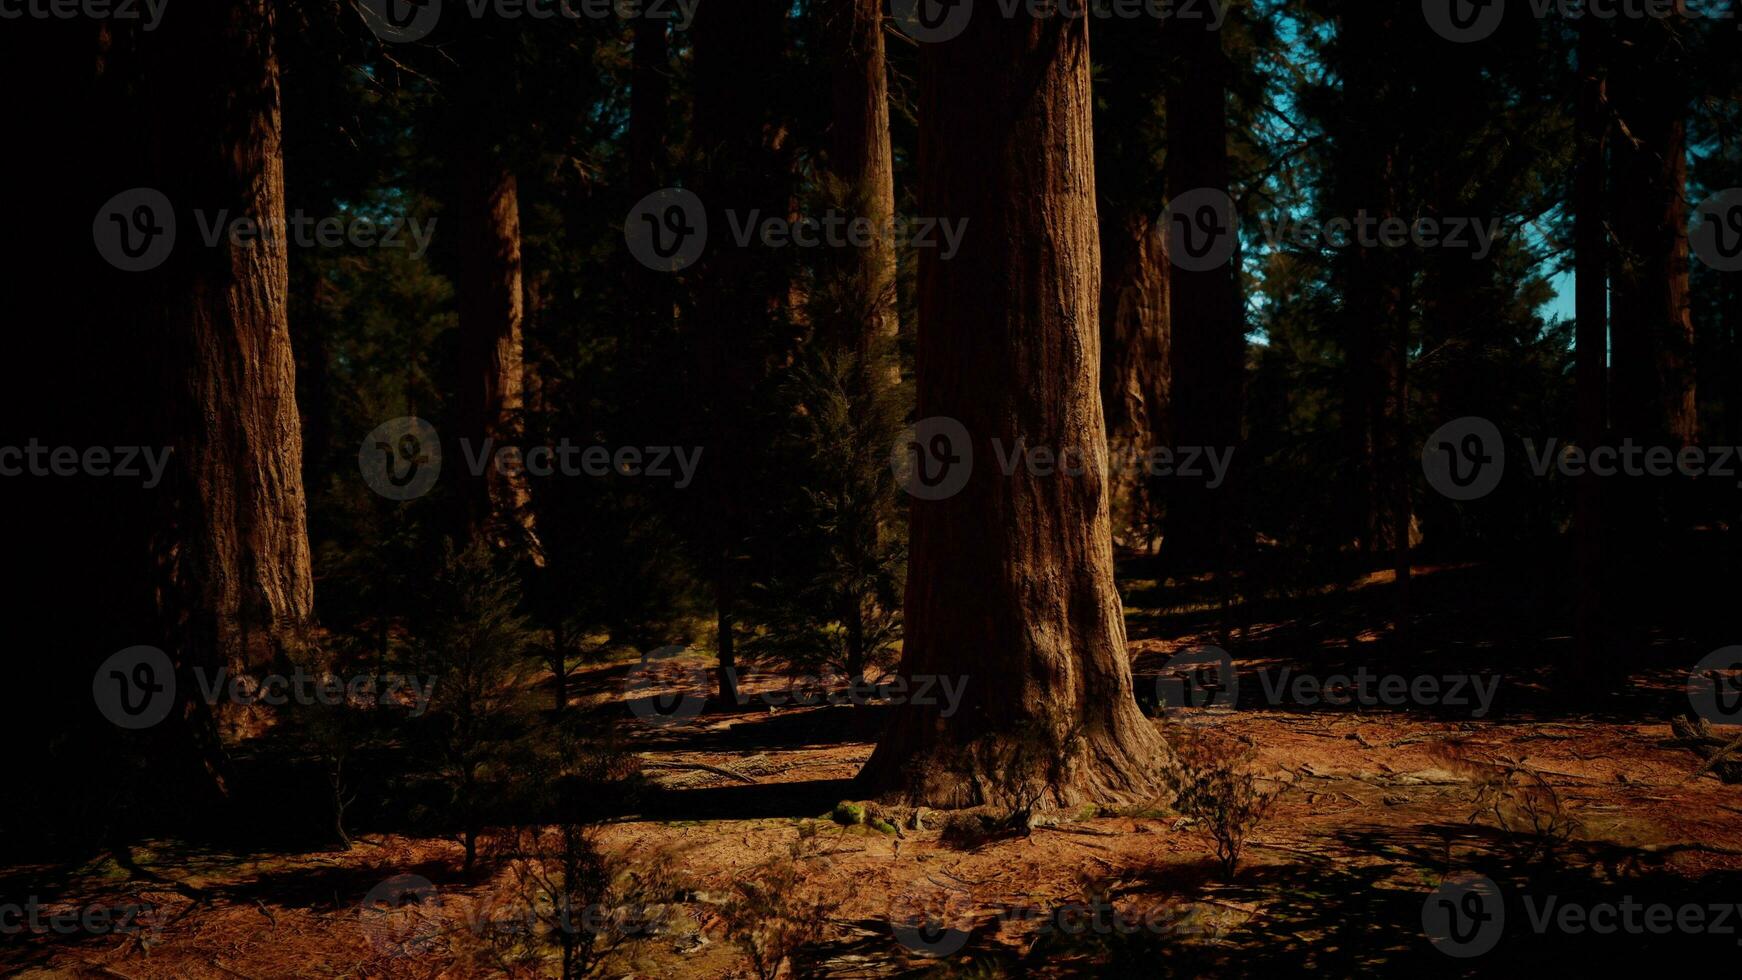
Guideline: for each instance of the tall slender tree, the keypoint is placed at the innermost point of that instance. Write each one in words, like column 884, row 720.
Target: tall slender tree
column 492, row 306
column 1591, row 339
column 860, row 154
column 1136, row 372
column 743, row 158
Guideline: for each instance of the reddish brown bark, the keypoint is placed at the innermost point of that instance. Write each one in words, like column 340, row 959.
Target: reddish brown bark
column 492, row 369
column 1136, row 371
column 233, row 548
column 860, row 154
column 1011, row 579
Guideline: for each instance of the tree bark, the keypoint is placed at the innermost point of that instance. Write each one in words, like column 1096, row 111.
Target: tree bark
column 233, row 547
column 492, row 369
column 1011, row 579
column 860, row 154
column 1651, row 327
column 1136, row 373
column 1653, row 324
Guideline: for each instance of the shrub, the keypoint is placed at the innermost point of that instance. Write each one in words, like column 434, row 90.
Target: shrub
column 1213, row 783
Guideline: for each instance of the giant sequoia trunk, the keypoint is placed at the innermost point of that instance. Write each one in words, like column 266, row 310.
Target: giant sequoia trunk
column 1010, row 581
column 1208, row 335
column 233, row 545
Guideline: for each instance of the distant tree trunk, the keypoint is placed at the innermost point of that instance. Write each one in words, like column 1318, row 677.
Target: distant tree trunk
column 1136, row 373
column 860, row 153
column 1208, row 336
column 1653, row 326
column 1011, row 580
column 492, row 309
column 1590, row 346
column 650, row 291
column 740, row 146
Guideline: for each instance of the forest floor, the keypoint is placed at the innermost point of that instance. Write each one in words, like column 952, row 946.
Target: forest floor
column 1377, row 807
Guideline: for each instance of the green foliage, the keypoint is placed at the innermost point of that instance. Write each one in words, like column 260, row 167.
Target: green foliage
column 470, row 636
